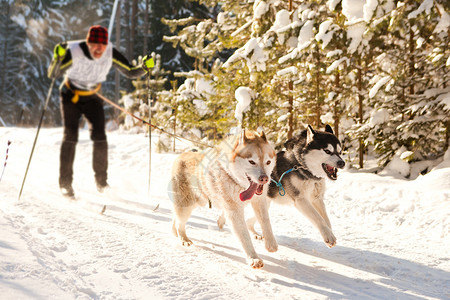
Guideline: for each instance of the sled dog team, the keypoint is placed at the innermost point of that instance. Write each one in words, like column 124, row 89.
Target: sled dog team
column 246, row 170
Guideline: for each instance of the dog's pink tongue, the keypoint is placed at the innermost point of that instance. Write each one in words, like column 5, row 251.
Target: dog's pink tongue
column 248, row 193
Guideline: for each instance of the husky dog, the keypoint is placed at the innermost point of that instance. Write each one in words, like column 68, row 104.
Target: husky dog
column 308, row 159
column 229, row 176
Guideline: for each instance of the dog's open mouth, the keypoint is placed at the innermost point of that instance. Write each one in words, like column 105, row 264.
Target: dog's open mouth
column 331, row 171
column 254, row 188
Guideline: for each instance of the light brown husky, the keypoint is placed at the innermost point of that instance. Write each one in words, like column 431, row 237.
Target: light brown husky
column 231, row 175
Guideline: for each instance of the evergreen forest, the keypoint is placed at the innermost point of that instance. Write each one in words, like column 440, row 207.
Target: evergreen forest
column 377, row 71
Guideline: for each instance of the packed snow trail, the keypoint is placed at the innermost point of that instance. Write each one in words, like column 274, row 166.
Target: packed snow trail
column 392, row 235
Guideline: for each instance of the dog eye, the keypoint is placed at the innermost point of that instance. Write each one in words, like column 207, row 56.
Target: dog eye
column 252, row 162
column 327, row 151
column 268, row 162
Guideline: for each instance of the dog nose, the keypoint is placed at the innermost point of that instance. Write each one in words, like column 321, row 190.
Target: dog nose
column 341, row 164
column 263, row 179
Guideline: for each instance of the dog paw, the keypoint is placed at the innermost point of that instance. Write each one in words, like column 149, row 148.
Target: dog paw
column 330, row 240
column 271, row 245
column 257, row 236
column 328, row 236
column 255, row 263
column 331, row 244
column 186, row 242
column 221, row 222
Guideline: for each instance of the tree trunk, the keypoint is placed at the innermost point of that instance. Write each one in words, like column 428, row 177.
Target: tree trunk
column 361, row 119
column 291, row 97
column 174, row 112
column 126, row 16
column 412, row 63
column 336, row 106
column 318, row 100
column 146, row 27
column 447, row 136
column 117, row 44
column 129, row 54
column 134, row 12
column 291, row 111
column 5, row 53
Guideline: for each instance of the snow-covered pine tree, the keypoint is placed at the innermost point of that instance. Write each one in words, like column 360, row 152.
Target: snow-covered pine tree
column 136, row 102
column 195, row 103
column 322, row 61
column 361, row 46
column 427, row 126
column 405, row 113
column 330, row 51
column 251, row 67
column 12, row 81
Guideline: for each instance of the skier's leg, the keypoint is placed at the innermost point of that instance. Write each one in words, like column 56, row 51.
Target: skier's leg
column 93, row 110
column 70, row 114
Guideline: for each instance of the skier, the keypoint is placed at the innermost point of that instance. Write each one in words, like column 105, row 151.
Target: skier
column 85, row 64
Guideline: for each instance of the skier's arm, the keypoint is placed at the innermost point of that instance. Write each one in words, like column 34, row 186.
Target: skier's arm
column 122, row 64
column 62, row 60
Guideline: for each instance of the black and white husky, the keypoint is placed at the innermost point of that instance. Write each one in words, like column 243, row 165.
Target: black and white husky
column 298, row 178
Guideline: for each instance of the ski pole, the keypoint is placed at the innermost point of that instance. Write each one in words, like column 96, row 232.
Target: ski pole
column 150, row 137
column 6, row 160
column 149, row 132
column 37, row 133
column 149, row 101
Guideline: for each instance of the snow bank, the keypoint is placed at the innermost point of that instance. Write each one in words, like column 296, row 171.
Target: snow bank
column 391, row 234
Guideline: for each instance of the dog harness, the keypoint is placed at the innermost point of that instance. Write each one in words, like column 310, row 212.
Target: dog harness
column 281, row 190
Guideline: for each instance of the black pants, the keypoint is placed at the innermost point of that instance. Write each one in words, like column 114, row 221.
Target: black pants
column 92, row 108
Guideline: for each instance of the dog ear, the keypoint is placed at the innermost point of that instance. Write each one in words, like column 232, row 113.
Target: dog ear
column 309, row 134
column 263, row 136
column 289, row 144
column 243, row 138
column 329, row 129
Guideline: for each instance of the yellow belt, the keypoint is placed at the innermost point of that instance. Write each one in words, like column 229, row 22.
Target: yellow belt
column 78, row 93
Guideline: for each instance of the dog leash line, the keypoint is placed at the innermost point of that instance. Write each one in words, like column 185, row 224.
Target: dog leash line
column 281, row 189
column 150, row 124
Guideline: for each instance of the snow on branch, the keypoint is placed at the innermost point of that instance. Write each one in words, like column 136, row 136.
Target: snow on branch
column 374, row 90
column 173, row 24
column 336, row 64
column 425, row 6
column 244, row 96
column 288, row 71
column 242, row 28
column 260, row 8
column 253, row 53
column 325, row 34
column 444, row 22
column 306, row 35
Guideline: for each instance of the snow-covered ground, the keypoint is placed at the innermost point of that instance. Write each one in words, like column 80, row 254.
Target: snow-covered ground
column 393, row 235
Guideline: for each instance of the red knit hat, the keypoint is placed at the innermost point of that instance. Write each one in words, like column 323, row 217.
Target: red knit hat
column 98, row 35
